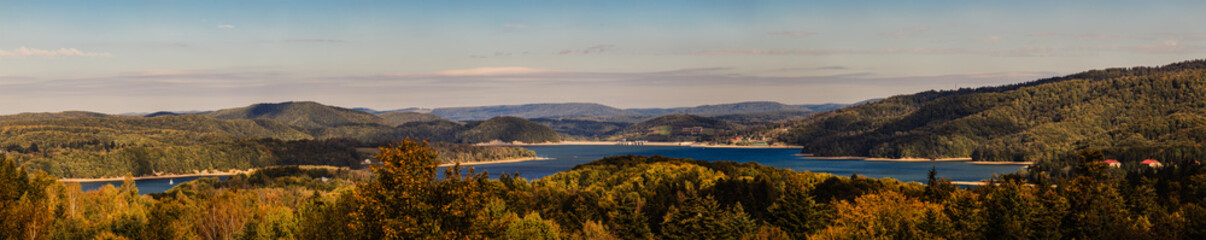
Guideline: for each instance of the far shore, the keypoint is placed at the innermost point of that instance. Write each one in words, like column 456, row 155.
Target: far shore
column 962, row 159
column 1000, row 163
column 164, row 176
column 493, row 162
column 618, row 143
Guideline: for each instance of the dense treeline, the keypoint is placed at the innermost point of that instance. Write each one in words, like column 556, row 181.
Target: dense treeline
column 677, row 128
column 1115, row 109
column 626, row 197
column 81, row 145
column 464, row 153
column 581, row 127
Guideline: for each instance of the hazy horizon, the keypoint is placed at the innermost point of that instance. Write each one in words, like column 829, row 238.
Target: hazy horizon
column 146, row 56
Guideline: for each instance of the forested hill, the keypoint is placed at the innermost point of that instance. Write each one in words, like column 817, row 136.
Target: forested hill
column 1131, row 113
column 302, row 114
column 736, row 108
column 675, row 128
column 399, row 118
column 58, row 115
column 530, row 111
column 508, row 129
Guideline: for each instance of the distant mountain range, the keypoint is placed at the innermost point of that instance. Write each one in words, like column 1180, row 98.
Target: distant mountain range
column 588, row 110
column 733, row 108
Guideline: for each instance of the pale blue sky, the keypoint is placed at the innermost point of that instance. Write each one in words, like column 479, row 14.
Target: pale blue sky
column 141, row 56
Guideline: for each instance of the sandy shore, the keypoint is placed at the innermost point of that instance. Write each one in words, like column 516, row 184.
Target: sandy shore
column 809, row 156
column 969, row 183
column 1000, row 163
column 499, row 161
column 114, row 179
column 919, row 159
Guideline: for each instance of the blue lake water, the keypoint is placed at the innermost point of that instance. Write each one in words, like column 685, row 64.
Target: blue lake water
column 565, row 157
column 145, row 186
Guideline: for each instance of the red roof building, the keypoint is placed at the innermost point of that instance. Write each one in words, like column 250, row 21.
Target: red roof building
column 1152, row 163
column 1112, row 163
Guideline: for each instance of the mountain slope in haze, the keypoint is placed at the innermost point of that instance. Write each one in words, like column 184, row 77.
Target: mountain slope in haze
column 736, row 108
column 530, row 111
column 58, row 115
column 301, row 114
column 399, row 118
column 582, row 128
column 1132, row 113
column 675, row 128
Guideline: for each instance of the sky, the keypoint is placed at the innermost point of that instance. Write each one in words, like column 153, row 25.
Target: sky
column 168, row 55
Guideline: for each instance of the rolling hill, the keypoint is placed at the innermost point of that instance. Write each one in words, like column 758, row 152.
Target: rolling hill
column 582, row 128
column 736, row 108
column 399, row 118
column 1130, row 113
column 530, row 111
column 301, row 114
column 58, row 115
column 508, row 129
column 675, row 128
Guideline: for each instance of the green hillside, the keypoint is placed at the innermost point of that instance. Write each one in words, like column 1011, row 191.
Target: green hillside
column 582, row 128
column 58, row 115
column 508, row 129
column 301, row 114
column 729, row 108
column 530, row 111
column 676, row 128
column 1131, row 113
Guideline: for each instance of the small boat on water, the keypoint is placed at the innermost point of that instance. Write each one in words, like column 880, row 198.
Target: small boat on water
column 171, row 181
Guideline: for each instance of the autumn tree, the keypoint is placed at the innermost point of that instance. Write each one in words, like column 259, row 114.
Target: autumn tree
column 394, row 204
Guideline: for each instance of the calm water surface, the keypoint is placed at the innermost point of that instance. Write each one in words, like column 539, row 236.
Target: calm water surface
column 145, row 186
column 566, row 157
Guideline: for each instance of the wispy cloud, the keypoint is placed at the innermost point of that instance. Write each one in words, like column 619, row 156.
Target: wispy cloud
column 1085, row 37
column 226, row 26
column 1186, row 36
column 792, row 33
column 61, row 52
column 1015, row 52
column 596, row 49
column 312, row 40
column 989, row 39
column 493, row 71
column 1169, row 46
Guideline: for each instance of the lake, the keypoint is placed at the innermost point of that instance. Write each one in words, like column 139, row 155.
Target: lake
column 145, row 186
column 565, row 157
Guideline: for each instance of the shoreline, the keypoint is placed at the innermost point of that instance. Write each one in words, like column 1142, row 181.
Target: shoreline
column 512, row 160
column 962, row 159
column 617, row 143
column 118, row 179
column 1001, row 163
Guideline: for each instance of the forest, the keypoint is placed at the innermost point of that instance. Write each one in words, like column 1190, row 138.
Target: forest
column 79, row 145
column 1132, row 114
column 622, row 197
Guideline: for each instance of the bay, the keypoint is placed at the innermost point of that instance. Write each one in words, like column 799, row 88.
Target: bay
column 565, row 157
